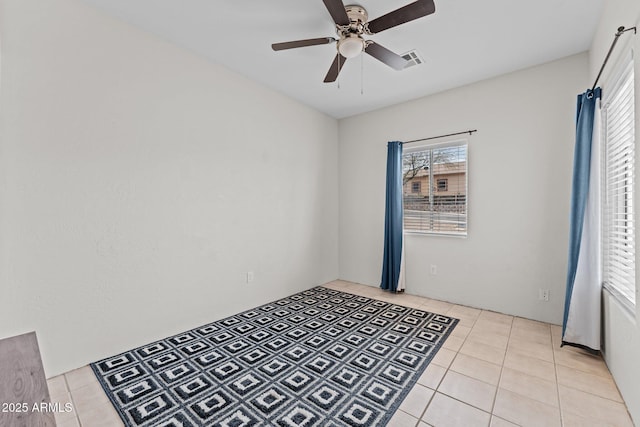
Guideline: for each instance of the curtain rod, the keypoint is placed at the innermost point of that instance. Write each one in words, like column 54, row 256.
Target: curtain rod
column 441, row 136
column 621, row 31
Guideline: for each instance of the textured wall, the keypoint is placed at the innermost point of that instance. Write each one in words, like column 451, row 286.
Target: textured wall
column 140, row 184
column 519, row 186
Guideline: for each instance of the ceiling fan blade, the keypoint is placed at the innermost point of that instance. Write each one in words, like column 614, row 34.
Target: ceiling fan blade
column 302, row 43
column 383, row 54
column 337, row 11
column 335, row 68
column 407, row 13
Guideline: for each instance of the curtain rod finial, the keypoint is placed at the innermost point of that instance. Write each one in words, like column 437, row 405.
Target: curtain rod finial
column 622, row 30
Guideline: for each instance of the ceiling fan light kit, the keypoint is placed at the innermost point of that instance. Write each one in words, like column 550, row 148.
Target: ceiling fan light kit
column 350, row 46
column 352, row 22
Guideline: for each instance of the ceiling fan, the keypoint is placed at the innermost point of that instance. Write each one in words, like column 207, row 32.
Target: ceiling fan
column 352, row 22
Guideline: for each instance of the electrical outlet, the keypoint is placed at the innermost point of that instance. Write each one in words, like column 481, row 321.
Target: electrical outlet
column 434, row 269
column 543, row 294
column 249, row 276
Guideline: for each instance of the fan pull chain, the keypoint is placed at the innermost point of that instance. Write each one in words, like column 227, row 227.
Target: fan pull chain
column 338, row 78
column 361, row 74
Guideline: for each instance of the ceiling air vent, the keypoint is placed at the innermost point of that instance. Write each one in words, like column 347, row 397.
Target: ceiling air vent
column 413, row 58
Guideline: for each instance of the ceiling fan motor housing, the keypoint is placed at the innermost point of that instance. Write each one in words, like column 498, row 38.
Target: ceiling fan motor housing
column 358, row 17
column 351, row 43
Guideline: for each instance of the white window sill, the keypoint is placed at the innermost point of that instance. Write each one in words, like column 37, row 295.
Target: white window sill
column 622, row 301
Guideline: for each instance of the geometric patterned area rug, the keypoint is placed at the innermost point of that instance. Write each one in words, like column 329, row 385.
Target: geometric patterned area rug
column 317, row 358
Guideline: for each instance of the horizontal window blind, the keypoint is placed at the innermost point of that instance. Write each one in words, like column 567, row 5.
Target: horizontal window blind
column 619, row 180
column 435, row 189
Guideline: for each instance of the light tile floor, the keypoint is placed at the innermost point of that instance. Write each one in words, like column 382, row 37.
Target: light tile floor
column 494, row 370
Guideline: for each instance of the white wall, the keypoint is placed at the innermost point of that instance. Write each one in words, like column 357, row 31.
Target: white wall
column 519, row 187
column 139, row 183
column 621, row 328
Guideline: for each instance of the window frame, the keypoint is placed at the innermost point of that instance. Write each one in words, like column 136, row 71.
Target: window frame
column 445, row 187
column 614, row 83
column 433, row 191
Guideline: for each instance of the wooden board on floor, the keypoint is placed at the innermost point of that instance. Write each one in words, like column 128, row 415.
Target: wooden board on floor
column 23, row 384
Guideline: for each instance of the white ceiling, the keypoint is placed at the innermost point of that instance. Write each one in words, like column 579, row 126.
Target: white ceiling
column 463, row 42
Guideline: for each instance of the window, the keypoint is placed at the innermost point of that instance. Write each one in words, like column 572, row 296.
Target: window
column 441, row 172
column 619, row 179
column 415, row 187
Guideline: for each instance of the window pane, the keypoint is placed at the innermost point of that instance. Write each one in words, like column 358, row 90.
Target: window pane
column 440, row 174
column 619, row 176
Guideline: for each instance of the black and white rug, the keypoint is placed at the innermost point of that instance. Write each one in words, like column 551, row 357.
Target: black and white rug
column 321, row 357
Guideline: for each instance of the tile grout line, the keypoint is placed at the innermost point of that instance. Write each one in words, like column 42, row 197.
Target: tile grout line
column 75, row 408
column 491, row 414
column 555, row 370
column 420, row 307
column 504, row 359
column 547, row 325
column 420, row 418
column 424, row 411
column 562, row 413
column 449, row 369
column 556, row 365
